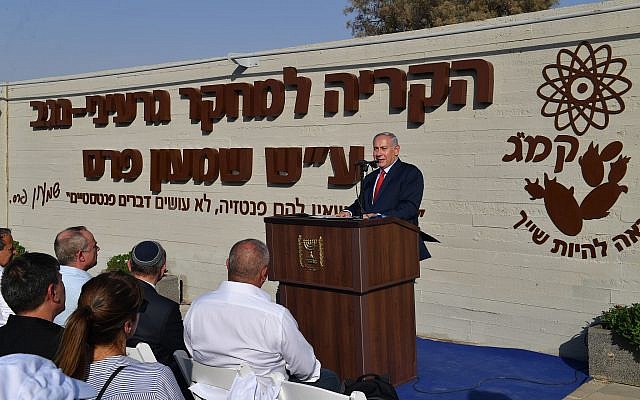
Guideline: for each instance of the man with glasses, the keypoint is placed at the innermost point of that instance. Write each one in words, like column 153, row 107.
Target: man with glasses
column 7, row 251
column 77, row 252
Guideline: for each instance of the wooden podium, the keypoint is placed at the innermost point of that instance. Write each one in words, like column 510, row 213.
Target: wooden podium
column 349, row 284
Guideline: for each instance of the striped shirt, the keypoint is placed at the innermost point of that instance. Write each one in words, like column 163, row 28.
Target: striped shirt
column 138, row 381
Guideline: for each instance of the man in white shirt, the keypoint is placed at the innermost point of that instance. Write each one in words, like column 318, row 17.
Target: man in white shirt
column 239, row 324
column 77, row 252
column 7, row 251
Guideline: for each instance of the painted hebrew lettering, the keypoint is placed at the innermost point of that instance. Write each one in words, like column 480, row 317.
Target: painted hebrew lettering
column 345, row 174
column 262, row 89
column 351, row 92
column 284, row 164
column 482, row 72
column 418, row 101
column 302, row 86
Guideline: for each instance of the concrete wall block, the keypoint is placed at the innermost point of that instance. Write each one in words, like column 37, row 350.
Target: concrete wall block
column 487, row 282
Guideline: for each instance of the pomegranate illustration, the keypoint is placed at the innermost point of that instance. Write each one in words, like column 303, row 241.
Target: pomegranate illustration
column 592, row 166
column 561, row 205
column 592, row 162
column 563, row 208
column 597, row 203
column 618, row 169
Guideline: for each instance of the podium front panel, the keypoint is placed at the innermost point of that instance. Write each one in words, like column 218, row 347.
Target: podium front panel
column 355, row 334
column 353, row 257
column 349, row 284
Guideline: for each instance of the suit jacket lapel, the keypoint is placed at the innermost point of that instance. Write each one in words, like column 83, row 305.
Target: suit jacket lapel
column 388, row 178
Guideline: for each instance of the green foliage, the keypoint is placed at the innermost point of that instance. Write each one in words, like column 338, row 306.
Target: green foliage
column 118, row 263
column 376, row 17
column 625, row 321
column 20, row 250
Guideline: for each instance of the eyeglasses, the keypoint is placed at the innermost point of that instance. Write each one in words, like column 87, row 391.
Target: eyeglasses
column 94, row 247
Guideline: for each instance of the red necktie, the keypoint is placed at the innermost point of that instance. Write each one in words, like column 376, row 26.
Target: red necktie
column 378, row 184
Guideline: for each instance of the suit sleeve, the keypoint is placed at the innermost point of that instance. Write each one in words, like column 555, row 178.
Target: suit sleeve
column 409, row 196
column 354, row 209
column 173, row 337
column 367, row 187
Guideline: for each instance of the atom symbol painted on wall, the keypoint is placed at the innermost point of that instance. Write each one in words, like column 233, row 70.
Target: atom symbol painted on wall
column 583, row 88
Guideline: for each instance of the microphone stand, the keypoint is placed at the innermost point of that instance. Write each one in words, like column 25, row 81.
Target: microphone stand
column 364, row 167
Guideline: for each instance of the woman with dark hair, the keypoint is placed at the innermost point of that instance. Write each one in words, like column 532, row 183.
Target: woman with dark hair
column 93, row 345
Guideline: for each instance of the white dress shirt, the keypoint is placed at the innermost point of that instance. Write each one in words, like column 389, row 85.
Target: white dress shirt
column 73, row 279
column 5, row 310
column 239, row 324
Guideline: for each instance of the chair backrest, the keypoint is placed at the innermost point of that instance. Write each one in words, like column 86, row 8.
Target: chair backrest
column 142, row 352
column 196, row 372
column 300, row 391
column 214, row 376
column 185, row 363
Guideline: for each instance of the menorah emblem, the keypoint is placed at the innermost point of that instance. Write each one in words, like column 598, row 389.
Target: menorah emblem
column 311, row 253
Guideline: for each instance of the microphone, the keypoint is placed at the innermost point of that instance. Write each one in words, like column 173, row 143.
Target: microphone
column 365, row 163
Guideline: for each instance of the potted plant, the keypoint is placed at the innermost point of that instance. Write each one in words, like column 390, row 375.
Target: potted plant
column 20, row 250
column 118, row 263
column 170, row 286
column 614, row 345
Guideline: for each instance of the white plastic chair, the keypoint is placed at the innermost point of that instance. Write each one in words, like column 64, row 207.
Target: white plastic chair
column 207, row 382
column 194, row 372
column 300, row 391
column 142, row 352
column 185, row 363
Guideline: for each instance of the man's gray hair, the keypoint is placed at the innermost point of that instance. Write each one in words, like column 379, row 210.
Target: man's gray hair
column 3, row 232
column 247, row 257
column 68, row 243
column 394, row 138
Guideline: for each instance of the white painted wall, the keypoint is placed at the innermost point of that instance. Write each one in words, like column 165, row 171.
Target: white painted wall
column 487, row 282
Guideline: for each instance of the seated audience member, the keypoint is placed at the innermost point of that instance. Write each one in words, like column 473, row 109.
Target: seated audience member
column 160, row 324
column 77, row 252
column 239, row 324
column 31, row 377
column 33, row 288
column 93, row 345
column 7, row 251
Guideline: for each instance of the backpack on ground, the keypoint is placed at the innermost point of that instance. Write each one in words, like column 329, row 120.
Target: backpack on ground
column 375, row 387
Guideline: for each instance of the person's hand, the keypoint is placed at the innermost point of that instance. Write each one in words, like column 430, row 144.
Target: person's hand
column 343, row 214
column 369, row 215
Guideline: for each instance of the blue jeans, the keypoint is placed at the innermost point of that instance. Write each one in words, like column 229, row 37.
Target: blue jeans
column 328, row 380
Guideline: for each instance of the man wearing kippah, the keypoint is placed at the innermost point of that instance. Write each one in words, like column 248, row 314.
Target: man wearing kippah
column 160, row 323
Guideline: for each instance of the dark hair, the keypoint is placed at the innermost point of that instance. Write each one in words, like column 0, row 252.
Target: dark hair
column 247, row 257
column 4, row 232
column 106, row 302
column 26, row 279
column 68, row 243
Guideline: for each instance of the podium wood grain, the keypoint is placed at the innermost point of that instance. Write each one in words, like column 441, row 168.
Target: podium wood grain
column 357, row 310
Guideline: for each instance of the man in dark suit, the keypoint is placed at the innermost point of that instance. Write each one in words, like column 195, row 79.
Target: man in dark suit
column 33, row 288
column 160, row 323
column 393, row 190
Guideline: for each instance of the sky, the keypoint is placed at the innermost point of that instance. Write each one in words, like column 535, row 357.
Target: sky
column 43, row 38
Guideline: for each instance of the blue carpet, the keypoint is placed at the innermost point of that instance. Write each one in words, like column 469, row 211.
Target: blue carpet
column 450, row 371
